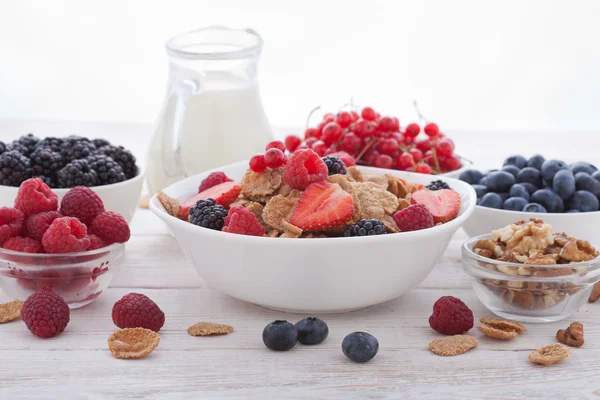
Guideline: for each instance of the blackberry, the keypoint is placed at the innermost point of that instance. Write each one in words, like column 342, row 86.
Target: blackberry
column 14, row 168
column 18, row 147
column 50, row 181
column 123, row 157
column 26, row 144
column 106, row 168
column 77, row 150
column 46, row 162
column 437, row 185
column 52, row 143
column 100, row 142
column 208, row 215
column 335, row 165
column 366, row 227
column 3, row 147
column 76, row 173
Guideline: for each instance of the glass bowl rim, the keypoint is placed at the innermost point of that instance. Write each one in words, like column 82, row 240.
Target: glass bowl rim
column 106, row 249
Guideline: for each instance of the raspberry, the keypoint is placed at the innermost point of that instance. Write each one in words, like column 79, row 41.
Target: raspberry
column 45, row 313
column 414, row 218
column 136, row 310
column 303, row 168
column 213, row 179
column 34, row 197
column 95, row 242
column 36, row 225
column 243, row 221
column 66, row 235
column 110, row 227
column 82, row 203
column 22, row 244
column 11, row 223
column 451, row 316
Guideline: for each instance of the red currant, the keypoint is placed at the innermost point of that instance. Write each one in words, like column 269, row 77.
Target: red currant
column 405, row 160
column 355, row 115
column 312, row 133
column 310, row 141
column 423, row 169
column 370, row 156
column 429, row 158
column 257, row 163
column 351, row 143
column 330, row 150
column 384, row 161
column 320, row 128
column 396, row 125
column 424, row 145
column 274, row 158
column 364, row 128
column 398, row 136
column 417, row 154
column 319, row 147
column 387, row 146
column 276, row 144
column 329, row 117
column 302, row 146
column 292, row 142
column 344, row 119
column 431, row 129
column 445, row 148
column 452, row 164
column 368, row 113
column 331, row 132
column 386, row 124
column 412, row 130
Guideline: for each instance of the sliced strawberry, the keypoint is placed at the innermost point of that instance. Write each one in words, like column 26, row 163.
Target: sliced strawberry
column 322, row 206
column 443, row 205
column 345, row 157
column 224, row 194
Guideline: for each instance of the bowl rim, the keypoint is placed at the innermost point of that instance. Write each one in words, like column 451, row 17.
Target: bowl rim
column 106, row 249
column 455, row 224
column 526, row 213
column 467, row 251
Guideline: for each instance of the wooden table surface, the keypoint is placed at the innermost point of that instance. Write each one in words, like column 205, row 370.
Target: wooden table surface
column 77, row 363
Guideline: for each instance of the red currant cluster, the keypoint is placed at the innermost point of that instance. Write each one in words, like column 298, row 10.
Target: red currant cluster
column 274, row 157
column 378, row 141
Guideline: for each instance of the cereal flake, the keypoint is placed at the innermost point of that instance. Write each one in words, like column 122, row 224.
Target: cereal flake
column 10, row 311
column 452, row 345
column 209, row 329
column 133, row 342
column 549, row 354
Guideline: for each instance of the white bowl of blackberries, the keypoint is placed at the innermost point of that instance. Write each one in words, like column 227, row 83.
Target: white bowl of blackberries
column 564, row 195
column 63, row 163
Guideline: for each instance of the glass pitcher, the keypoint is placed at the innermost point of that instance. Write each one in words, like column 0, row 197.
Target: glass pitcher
column 212, row 114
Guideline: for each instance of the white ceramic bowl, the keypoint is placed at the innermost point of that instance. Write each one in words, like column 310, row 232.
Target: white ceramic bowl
column 581, row 225
column 312, row 275
column 122, row 198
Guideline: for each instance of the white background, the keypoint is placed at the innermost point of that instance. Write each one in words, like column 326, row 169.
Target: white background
column 471, row 65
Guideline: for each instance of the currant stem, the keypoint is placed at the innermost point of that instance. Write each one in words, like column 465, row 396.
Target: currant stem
column 310, row 114
column 421, row 116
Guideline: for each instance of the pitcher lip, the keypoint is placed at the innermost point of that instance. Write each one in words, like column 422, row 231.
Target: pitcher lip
column 175, row 50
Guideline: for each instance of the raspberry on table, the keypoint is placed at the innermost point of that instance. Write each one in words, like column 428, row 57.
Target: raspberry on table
column 213, row 179
column 451, row 316
column 66, row 235
column 11, row 223
column 207, row 214
column 110, row 227
column 95, row 242
column 37, row 224
column 82, row 203
column 414, row 218
column 303, row 168
column 14, row 168
column 45, row 313
column 23, row 245
column 136, row 310
column 366, row 227
column 243, row 221
column 34, row 197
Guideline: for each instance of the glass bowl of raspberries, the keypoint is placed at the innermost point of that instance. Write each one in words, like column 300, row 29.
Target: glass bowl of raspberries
column 72, row 246
column 63, row 163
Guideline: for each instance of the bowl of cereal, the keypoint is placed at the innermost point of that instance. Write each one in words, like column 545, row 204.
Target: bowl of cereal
column 526, row 272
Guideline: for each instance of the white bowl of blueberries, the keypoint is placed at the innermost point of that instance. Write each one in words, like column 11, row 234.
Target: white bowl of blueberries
column 564, row 195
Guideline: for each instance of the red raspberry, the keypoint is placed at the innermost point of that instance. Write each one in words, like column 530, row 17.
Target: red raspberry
column 45, row 313
column 22, row 244
column 136, row 310
column 66, row 235
column 95, row 242
column 110, row 227
column 35, row 196
column 213, row 179
column 303, row 168
column 82, row 203
column 36, row 225
column 292, row 142
column 414, row 218
column 451, row 316
column 242, row 221
column 11, row 223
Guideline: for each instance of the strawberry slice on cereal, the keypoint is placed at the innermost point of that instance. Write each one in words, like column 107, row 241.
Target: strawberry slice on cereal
column 444, row 205
column 322, row 206
column 224, row 194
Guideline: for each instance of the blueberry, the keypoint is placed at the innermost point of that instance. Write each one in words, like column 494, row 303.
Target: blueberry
column 582, row 166
column 312, row 331
column 518, row 190
column 504, row 196
column 518, row 161
column 550, row 200
column 583, row 201
column 471, row 176
column 360, row 346
column 550, row 168
column 564, row 184
column 280, row 335
column 511, row 169
column 596, row 175
column 500, row 181
column 534, row 208
column 491, row 200
column 514, row 204
column 536, row 162
column 480, row 190
column 531, row 188
column 483, row 181
column 530, row 175
column 583, row 181
column 573, row 211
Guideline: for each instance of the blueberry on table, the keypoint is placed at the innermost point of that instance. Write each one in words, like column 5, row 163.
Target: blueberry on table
column 550, row 168
column 518, row 161
column 535, row 208
column 514, row 204
column 480, row 190
column 500, row 181
column 550, row 200
column 511, row 169
column 564, row 184
column 582, row 166
column 530, row 175
column 360, row 346
column 536, row 162
column 519, row 190
column 583, row 201
column 491, row 200
column 584, row 181
column 471, row 176
column 312, row 331
column 280, row 335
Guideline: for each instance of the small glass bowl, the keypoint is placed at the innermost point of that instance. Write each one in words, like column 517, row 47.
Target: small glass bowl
column 526, row 292
column 79, row 278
